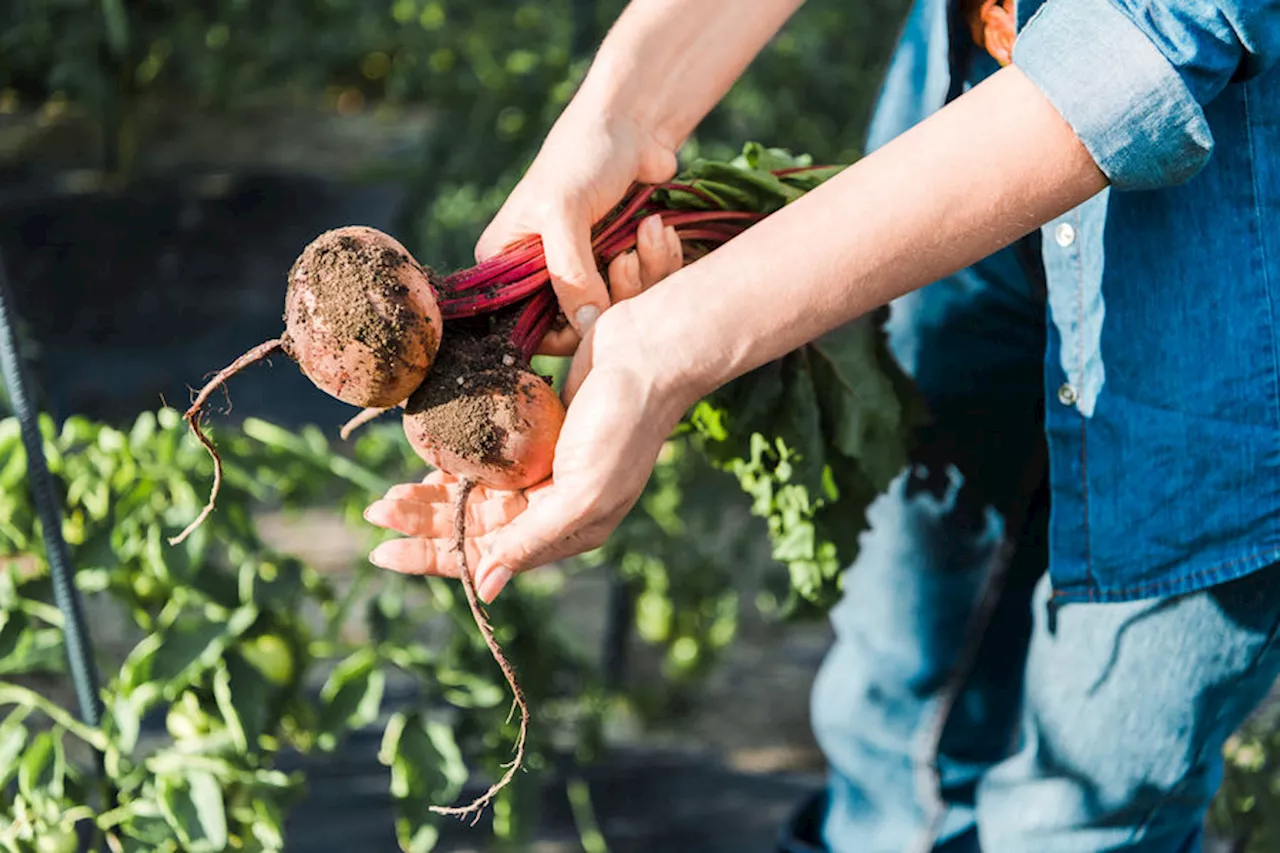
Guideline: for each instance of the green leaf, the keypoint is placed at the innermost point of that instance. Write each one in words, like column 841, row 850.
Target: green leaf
column 58, row 773
column 268, row 824
column 151, row 830
column 424, row 758
column 868, row 419
column 751, row 189
column 12, row 625
column 13, row 738
column 37, row 650
column 813, row 438
column 466, row 689
column 127, row 721
column 190, row 646
column 117, row 21
column 194, row 808
column 757, row 156
column 352, row 696
column 13, row 474
column 143, row 431
column 271, row 583
column 245, row 698
column 37, row 768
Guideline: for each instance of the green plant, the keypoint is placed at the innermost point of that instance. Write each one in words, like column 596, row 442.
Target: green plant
column 241, row 651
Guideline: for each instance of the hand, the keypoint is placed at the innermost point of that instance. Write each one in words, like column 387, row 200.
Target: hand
column 587, row 163
column 618, row 418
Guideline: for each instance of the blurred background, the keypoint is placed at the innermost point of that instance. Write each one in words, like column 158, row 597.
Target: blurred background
column 162, row 162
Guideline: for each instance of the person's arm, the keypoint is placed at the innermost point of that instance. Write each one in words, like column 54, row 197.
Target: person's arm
column 930, row 202
column 666, row 63
column 660, row 70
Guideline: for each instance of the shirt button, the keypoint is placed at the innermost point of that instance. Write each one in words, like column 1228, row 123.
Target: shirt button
column 1064, row 234
column 1066, row 395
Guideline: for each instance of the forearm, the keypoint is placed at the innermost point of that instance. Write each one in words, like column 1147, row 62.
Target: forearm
column 987, row 169
column 666, row 63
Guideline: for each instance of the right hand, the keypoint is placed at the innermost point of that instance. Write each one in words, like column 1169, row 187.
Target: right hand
column 624, row 400
column 583, row 169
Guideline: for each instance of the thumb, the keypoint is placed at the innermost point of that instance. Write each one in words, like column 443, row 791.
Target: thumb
column 542, row 533
column 579, row 368
column 496, row 236
column 566, row 242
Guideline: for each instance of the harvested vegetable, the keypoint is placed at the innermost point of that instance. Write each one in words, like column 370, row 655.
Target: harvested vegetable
column 361, row 321
column 361, row 317
column 496, row 426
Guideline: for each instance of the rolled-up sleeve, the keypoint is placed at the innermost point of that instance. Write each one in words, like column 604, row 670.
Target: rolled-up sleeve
column 1131, row 76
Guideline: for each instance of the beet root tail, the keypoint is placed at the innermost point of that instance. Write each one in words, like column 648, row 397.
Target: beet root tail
column 361, row 419
column 477, row 806
column 192, row 417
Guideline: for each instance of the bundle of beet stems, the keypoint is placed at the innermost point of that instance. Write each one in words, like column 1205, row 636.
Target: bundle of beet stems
column 371, row 326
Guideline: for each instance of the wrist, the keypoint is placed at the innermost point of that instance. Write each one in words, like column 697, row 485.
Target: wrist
column 672, row 382
column 630, row 80
column 633, row 113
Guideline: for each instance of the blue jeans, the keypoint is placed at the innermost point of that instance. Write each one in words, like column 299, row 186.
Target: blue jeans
column 1099, row 729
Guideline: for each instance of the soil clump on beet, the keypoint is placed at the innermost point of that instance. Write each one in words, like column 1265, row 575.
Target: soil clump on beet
column 470, row 392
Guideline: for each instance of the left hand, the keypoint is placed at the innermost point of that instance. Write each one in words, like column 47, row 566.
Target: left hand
column 617, row 422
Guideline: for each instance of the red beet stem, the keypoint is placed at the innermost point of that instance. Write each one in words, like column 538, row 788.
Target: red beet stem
column 488, row 300
column 626, row 216
column 519, row 272
column 676, row 186
column 534, row 323
column 727, row 223
column 502, row 268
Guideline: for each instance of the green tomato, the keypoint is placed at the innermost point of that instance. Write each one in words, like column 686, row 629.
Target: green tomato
column 270, row 655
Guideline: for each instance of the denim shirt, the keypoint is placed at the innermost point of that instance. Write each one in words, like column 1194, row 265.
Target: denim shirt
column 1162, row 371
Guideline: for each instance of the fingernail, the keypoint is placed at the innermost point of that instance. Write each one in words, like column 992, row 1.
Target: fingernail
column 378, row 556
column 652, row 226
column 493, row 582
column 586, row 318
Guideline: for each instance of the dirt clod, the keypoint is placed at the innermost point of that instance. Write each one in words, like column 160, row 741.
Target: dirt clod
column 468, row 394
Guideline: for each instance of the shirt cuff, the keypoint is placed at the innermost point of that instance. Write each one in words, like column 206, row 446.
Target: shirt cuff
column 1120, row 94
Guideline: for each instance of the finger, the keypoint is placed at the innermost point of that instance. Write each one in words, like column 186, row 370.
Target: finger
column 675, row 250
column 624, row 277
column 659, row 257
column 572, row 266
column 497, row 235
column 424, row 556
column 440, row 487
column 560, row 342
column 436, row 520
column 423, row 492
